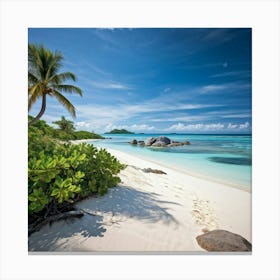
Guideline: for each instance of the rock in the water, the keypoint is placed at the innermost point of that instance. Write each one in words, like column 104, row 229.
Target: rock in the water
column 150, row 141
column 176, row 144
column 150, row 170
column 164, row 140
column 223, row 241
column 159, row 144
column 141, row 143
column 133, row 142
column 161, row 141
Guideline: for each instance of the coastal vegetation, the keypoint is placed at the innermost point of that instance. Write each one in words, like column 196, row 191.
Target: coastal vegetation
column 64, row 132
column 60, row 173
column 44, row 79
column 119, row 131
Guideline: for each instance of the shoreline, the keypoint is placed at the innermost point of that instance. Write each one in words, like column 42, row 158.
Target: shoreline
column 74, row 142
column 149, row 212
column 187, row 172
column 242, row 187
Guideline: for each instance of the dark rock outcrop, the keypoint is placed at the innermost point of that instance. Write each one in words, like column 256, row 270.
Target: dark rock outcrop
column 161, row 141
column 177, row 143
column 150, row 141
column 223, row 241
column 159, row 144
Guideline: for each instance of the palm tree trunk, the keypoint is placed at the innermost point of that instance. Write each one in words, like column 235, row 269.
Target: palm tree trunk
column 42, row 111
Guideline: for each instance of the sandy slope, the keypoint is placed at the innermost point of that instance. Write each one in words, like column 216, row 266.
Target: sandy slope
column 150, row 212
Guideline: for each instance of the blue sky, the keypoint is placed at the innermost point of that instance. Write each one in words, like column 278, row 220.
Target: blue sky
column 183, row 80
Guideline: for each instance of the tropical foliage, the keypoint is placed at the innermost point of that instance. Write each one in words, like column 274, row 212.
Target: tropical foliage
column 41, row 128
column 44, row 79
column 65, row 125
column 60, row 174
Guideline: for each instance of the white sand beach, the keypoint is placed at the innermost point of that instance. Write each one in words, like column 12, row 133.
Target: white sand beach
column 149, row 212
column 82, row 141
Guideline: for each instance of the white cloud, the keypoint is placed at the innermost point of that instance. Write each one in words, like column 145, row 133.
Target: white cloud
column 197, row 127
column 244, row 125
column 166, row 90
column 110, row 85
column 82, row 124
column 181, row 118
column 243, row 74
column 111, row 126
column 236, row 116
column 228, row 87
column 112, row 114
column 177, row 127
column 142, row 127
column 50, row 119
column 212, row 88
column 232, row 126
column 201, row 127
column 134, row 127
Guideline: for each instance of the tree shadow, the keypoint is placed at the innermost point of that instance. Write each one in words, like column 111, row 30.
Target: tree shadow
column 119, row 201
column 128, row 202
column 53, row 236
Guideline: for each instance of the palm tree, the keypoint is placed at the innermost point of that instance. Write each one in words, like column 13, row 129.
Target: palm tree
column 44, row 79
column 65, row 125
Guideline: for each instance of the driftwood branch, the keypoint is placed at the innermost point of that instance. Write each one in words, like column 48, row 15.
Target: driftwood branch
column 51, row 219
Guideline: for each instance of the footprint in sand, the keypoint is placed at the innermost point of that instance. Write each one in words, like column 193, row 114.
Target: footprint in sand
column 204, row 215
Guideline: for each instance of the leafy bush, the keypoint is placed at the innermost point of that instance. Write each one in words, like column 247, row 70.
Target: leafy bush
column 65, row 173
column 65, row 125
column 86, row 135
column 41, row 128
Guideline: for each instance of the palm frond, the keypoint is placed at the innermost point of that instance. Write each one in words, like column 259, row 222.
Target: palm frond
column 62, row 77
column 43, row 62
column 32, row 99
column 54, row 64
column 35, row 89
column 68, row 89
column 44, row 78
column 32, row 78
column 65, row 102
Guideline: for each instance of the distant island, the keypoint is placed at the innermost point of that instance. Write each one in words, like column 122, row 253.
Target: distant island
column 119, row 131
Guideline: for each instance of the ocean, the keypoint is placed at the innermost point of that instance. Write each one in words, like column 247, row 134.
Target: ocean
column 221, row 158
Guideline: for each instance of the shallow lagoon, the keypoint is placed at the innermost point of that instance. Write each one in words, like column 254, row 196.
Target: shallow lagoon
column 223, row 158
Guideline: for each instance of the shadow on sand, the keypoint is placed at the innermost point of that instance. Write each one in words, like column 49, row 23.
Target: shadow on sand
column 119, row 201
column 129, row 202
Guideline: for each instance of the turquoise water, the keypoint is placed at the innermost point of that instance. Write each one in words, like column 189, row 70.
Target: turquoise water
column 223, row 158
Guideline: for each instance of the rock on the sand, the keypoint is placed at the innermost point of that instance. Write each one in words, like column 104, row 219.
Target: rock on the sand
column 223, row 241
column 150, row 170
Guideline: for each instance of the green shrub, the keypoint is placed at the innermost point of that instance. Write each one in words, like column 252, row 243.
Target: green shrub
column 86, row 135
column 41, row 128
column 65, row 173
